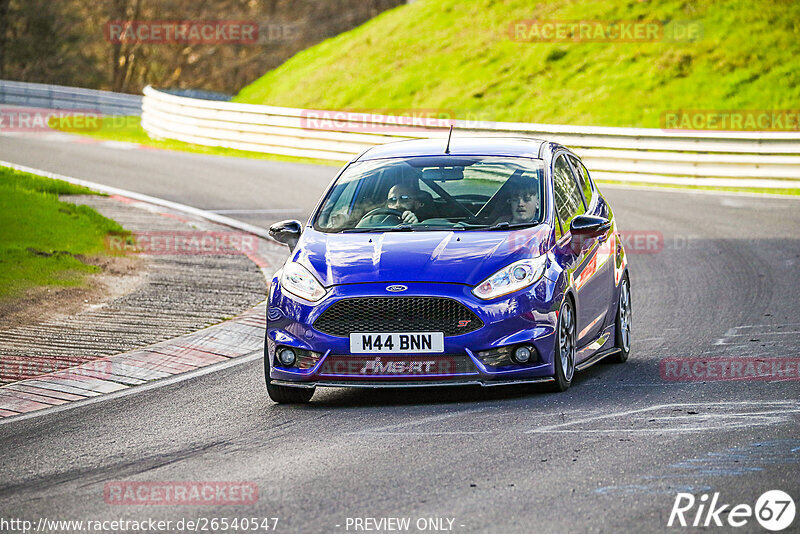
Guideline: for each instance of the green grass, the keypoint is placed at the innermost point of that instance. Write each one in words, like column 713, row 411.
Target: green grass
column 129, row 130
column 44, row 241
column 458, row 56
column 17, row 180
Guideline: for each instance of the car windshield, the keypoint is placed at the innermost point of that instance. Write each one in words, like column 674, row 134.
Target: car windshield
column 429, row 193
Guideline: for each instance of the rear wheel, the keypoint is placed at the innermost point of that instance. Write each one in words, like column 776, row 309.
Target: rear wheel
column 564, row 354
column 622, row 331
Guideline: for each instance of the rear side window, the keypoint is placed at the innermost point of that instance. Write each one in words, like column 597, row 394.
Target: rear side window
column 569, row 201
column 583, row 179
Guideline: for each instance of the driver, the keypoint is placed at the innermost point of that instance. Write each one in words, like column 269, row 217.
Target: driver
column 523, row 202
column 406, row 199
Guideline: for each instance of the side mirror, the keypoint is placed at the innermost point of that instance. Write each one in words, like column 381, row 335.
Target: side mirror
column 589, row 226
column 286, row 232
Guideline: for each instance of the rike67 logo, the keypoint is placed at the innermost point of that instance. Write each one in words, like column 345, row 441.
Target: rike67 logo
column 774, row 510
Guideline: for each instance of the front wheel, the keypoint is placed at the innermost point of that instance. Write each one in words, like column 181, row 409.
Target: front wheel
column 622, row 330
column 564, row 353
column 284, row 394
column 289, row 395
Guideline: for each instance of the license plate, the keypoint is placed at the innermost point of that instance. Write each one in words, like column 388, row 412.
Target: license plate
column 395, row 342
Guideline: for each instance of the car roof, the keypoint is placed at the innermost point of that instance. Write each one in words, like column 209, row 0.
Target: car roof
column 459, row 146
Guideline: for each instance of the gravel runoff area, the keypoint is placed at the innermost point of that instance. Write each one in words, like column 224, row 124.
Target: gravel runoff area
column 176, row 293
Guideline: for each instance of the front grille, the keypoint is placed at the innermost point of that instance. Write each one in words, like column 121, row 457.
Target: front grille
column 389, row 366
column 397, row 314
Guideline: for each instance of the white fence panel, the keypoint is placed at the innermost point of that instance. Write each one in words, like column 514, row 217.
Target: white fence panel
column 748, row 159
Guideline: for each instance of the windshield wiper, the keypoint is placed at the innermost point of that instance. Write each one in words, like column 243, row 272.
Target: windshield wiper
column 398, row 228
column 360, row 230
column 505, row 226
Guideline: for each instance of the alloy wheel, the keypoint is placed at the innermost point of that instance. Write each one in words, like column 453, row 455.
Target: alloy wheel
column 566, row 339
column 625, row 316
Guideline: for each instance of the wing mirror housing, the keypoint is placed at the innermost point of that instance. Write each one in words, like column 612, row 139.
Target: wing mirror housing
column 286, row 232
column 589, row 226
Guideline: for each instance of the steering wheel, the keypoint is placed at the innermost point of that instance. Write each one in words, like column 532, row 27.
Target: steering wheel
column 380, row 216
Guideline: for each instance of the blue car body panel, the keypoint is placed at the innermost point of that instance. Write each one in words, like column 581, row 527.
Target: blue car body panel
column 449, row 264
column 455, row 257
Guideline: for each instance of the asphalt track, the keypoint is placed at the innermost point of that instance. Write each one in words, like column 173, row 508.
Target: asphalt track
column 609, row 455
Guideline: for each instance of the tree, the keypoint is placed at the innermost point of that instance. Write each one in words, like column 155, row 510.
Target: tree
column 4, row 4
column 66, row 41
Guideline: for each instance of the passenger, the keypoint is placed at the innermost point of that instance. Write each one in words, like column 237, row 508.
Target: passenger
column 524, row 205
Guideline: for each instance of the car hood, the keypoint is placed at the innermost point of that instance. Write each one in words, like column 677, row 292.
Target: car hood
column 464, row 257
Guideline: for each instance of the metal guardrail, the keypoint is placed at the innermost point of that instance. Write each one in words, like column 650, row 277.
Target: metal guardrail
column 37, row 95
column 743, row 159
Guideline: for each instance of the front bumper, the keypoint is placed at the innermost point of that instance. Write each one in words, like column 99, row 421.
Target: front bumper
column 527, row 316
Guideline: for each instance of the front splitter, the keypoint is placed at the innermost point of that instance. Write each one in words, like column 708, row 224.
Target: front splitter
column 426, row 384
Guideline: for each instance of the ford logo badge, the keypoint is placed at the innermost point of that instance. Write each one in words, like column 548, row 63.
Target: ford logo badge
column 396, row 289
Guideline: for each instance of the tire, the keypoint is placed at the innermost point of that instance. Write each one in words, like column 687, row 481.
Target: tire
column 284, row 394
column 289, row 395
column 564, row 351
column 622, row 323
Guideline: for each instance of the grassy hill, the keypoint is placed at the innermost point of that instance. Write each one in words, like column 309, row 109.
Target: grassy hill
column 459, row 56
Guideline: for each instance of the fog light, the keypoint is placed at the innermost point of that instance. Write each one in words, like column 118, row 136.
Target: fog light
column 286, row 356
column 522, row 354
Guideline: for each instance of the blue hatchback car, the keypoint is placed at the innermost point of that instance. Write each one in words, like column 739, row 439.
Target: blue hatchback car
column 449, row 262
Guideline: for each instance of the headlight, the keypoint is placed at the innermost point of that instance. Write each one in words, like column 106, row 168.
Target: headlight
column 298, row 281
column 516, row 276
